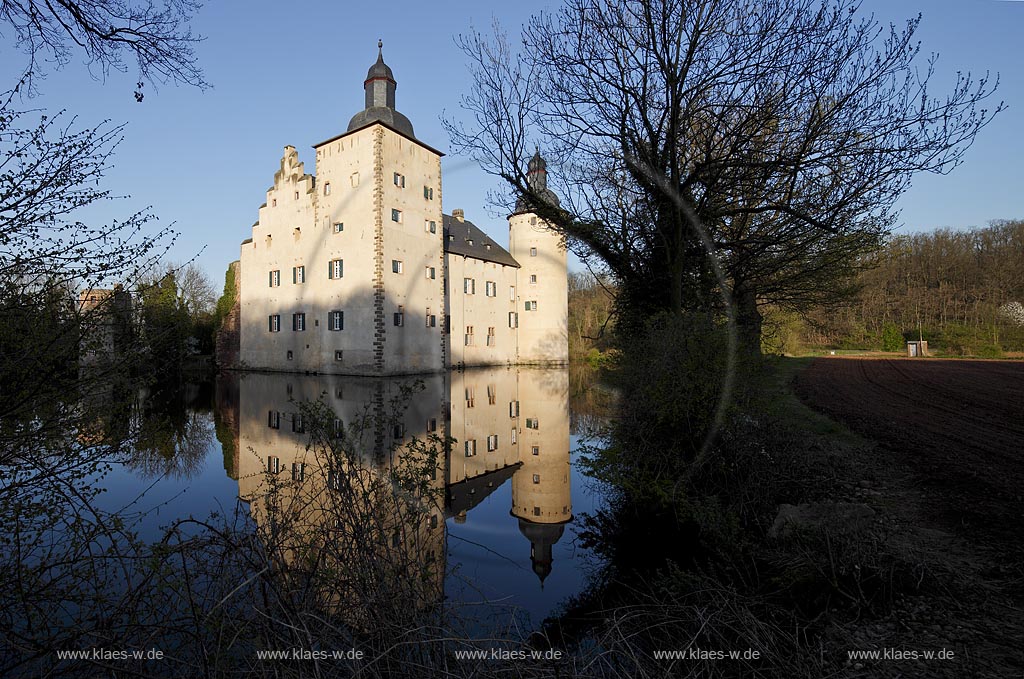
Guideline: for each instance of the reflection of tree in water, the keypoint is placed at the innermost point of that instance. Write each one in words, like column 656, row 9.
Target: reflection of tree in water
column 591, row 402
column 172, row 435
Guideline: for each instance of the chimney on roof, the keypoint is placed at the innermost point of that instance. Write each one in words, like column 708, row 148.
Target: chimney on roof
column 459, row 215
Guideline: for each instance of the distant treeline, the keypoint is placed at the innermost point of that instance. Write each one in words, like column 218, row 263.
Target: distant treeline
column 962, row 291
column 590, row 306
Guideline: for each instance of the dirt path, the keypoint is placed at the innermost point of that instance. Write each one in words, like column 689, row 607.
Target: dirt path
column 948, row 474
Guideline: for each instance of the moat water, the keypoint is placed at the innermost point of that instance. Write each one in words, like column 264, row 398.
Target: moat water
column 509, row 490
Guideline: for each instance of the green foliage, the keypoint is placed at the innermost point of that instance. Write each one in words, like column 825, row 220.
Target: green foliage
column 166, row 327
column 677, row 389
column 781, row 332
column 227, row 298
column 892, row 338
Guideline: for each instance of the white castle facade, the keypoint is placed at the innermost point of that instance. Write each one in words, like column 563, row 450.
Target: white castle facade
column 356, row 269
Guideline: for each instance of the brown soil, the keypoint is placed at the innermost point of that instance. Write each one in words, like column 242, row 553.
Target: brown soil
column 948, row 474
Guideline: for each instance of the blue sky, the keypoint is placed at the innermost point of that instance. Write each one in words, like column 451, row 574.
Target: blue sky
column 286, row 73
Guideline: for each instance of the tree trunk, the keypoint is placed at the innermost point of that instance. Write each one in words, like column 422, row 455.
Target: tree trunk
column 748, row 323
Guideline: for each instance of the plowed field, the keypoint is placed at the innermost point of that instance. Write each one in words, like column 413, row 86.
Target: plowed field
column 959, row 424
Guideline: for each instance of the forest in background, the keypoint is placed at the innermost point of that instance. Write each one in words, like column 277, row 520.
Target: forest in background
column 961, row 290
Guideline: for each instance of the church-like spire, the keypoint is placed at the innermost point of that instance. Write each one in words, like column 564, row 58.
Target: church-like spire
column 380, row 82
column 537, row 172
column 379, row 88
column 537, row 180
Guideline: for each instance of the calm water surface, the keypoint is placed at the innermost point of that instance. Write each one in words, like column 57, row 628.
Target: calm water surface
column 513, row 493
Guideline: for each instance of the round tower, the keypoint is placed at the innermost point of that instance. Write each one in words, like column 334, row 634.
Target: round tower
column 541, row 487
column 542, row 291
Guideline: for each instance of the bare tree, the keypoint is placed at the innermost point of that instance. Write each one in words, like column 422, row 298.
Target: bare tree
column 154, row 35
column 716, row 149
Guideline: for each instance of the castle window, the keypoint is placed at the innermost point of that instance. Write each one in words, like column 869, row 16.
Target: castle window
column 269, row 240
column 297, row 426
column 273, row 464
column 327, row 188
column 335, row 269
column 355, row 179
column 513, row 408
column 298, row 471
column 400, row 180
column 511, row 293
column 491, row 288
column 535, row 450
column 339, row 227
column 533, row 252
column 536, row 478
column 492, row 443
column 400, row 317
column 431, row 425
column 531, row 423
column 513, row 319
column 296, row 195
column 274, row 419
column 396, row 266
column 339, row 355
column 428, row 193
column 469, row 335
column 492, row 393
column 298, row 274
column 490, row 336
column 290, row 355
column 536, row 511
column 533, row 279
column 275, row 278
column 531, row 305
column 336, row 320
column 430, row 226
column 396, row 215
column 469, row 286
column 512, row 435
column 275, row 323
column 470, row 397
column 470, row 447
column 273, row 202
column 431, row 272
column 431, row 319
column 298, row 323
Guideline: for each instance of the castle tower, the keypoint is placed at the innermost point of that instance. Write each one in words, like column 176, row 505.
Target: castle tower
column 541, row 489
column 542, row 288
column 342, row 274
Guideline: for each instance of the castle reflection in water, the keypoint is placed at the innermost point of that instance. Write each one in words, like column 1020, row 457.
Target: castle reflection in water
column 506, row 425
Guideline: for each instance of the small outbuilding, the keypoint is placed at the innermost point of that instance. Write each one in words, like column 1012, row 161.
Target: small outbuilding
column 917, row 349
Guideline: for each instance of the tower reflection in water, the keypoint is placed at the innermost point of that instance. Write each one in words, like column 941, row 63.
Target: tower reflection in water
column 380, row 504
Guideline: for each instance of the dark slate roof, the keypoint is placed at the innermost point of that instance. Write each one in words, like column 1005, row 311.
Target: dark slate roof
column 380, row 69
column 388, row 116
column 468, row 493
column 482, row 246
